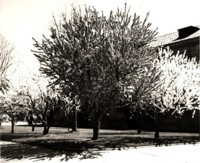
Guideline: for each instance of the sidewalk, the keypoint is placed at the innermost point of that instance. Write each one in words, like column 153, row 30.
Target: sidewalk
column 169, row 154
column 164, row 154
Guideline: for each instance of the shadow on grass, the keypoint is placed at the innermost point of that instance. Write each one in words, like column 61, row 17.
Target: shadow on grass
column 22, row 151
column 127, row 142
column 38, row 149
column 28, row 146
column 10, row 137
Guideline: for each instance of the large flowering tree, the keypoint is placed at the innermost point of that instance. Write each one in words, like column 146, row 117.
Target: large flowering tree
column 91, row 55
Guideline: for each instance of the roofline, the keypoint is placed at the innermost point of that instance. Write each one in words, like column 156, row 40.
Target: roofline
column 182, row 41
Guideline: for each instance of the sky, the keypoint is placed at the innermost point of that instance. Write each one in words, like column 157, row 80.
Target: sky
column 20, row 20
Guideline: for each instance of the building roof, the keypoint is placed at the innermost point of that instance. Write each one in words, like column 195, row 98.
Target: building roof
column 175, row 36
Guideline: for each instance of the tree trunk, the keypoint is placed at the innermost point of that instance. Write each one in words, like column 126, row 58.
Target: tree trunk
column 156, row 135
column 199, row 123
column 12, row 124
column 45, row 124
column 139, row 129
column 96, row 126
column 74, row 120
column 33, row 127
column 0, row 122
column 139, row 123
column 46, row 130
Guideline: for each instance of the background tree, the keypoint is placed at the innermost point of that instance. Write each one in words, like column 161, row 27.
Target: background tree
column 70, row 105
column 13, row 105
column 138, row 91
column 6, row 58
column 91, row 56
column 42, row 102
column 42, row 108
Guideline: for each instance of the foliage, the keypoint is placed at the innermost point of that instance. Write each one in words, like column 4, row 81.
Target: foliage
column 6, row 50
column 180, row 87
column 139, row 88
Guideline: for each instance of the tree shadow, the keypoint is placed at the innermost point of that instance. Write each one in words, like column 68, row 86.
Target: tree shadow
column 10, row 137
column 137, row 141
column 37, row 153
column 33, row 146
column 40, row 149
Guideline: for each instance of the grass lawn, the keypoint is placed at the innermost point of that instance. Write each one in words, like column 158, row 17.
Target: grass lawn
column 62, row 139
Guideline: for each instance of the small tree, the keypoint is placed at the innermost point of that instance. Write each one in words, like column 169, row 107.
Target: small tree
column 42, row 102
column 90, row 56
column 43, row 108
column 13, row 105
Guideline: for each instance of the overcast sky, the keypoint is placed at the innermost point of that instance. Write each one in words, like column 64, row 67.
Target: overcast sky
column 20, row 20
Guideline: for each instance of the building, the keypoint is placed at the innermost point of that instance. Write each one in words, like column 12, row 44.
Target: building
column 183, row 40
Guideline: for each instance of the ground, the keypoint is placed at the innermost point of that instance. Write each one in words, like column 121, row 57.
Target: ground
column 64, row 145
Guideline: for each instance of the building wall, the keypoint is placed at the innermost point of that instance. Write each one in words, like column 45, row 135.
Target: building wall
column 190, row 46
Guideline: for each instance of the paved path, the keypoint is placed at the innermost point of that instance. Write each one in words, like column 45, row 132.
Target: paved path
column 17, row 153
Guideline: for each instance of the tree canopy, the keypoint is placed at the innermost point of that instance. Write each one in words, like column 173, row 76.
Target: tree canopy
column 93, row 57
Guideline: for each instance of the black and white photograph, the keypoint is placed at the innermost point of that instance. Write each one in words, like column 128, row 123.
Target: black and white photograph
column 99, row 81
